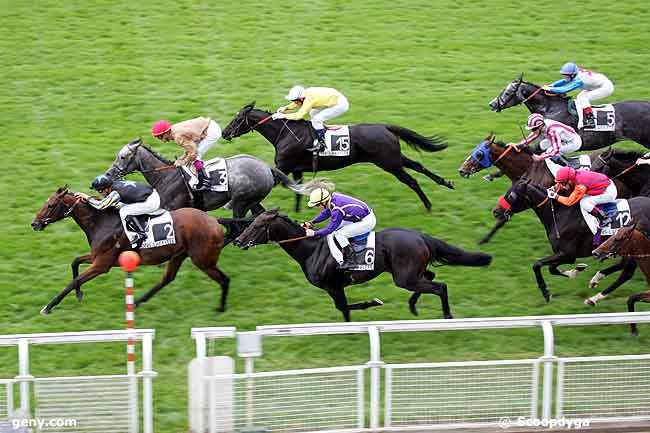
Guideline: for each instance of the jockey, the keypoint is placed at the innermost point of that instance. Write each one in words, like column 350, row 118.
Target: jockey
column 131, row 198
column 348, row 216
column 196, row 137
column 589, row 187
column 322, row 104
column 558, row 138
column 595, row 86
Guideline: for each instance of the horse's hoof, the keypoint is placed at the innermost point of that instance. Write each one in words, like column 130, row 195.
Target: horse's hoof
column 450, row 184
column 547, row 297
column 414, row 310
column 219, row 310
column 45, row 311
column 635, row 333
column 448, row 316
column 571, row 274
column 80, row 296
column 378, row 302
column 589, row 302
column 581, row 267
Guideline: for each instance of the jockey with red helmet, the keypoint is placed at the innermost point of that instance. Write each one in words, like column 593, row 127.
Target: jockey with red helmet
column 594, row 85
column 587, row 187
column 196, row 137
column 557, row 138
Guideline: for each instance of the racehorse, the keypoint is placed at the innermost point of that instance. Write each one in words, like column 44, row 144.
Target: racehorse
column 566, row 230
column 375, row 143
column 632, row 242
column 632, row 117
column 198, row 236
column 250, row 180
column 405, row 254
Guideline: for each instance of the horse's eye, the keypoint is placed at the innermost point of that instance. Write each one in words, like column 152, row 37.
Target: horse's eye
column 479, row 154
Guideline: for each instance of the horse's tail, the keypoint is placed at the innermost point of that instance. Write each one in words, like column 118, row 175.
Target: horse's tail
column 281, row 178
column 417, row 141
column 307, row 188
column 448, row 254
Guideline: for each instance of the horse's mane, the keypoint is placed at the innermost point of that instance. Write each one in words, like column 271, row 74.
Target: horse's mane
column 156, row 154
column 625, row 156
column 538, row 86
column 502, row 145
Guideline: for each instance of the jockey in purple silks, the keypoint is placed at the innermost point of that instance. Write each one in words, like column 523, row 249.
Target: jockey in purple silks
column 348, row 216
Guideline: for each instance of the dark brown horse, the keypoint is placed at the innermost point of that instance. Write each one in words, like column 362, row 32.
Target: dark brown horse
column 629, row 241
column 198, row 236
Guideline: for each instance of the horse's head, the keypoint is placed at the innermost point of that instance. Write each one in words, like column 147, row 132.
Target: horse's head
column 622, row 243
column 58, row 206
column 522, row 195
column 267, row 227
column 516, row 92
column 479, row 158
column 125, row 161
column 244, row 122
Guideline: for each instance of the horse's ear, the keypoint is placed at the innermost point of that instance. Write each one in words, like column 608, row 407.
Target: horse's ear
column 274, row 211
column 491, row 137
column 250, row 106
column 521, row 77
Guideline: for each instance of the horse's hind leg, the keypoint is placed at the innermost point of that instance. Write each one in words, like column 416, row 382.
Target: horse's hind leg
column 94, row 270
column 643, row 297
column 365, row 304
column 410, row 181
column 414, row 165
column 595, row 280
column 629, row 267
column 170, row 274
column 217, row 275
column 76, row 262
column 409, row 281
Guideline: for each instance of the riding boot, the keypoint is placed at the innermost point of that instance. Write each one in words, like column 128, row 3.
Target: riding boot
column 133, row 225
column 319, row 143
column 603, row 219
column 348, row 258
column 204, row 182
column 588, row 119
column 560, row 160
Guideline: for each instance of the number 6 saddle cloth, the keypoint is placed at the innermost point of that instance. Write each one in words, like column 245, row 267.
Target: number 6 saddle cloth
column 363, row 247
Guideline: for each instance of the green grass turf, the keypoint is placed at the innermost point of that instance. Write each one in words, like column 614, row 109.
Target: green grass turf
column 80, row 79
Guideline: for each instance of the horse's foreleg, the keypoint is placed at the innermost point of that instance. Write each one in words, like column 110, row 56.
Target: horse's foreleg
column 340, row 301
column 76, row 262
column 297, row 177
column 629, row 267
column 94, row 270
column 643, row 297
column 554, row 260
column 414, row 165
column 410, row 181
column 170, row 274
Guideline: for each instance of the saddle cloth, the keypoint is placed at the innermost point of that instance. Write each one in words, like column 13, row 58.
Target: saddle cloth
column 337, row 141
column 618, row 211
column 605, row 116
column 217, row 173
column 364, row 249
column 159, row 228
column 578, row 162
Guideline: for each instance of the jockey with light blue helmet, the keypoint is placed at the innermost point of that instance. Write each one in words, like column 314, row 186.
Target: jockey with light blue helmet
column 595, row 86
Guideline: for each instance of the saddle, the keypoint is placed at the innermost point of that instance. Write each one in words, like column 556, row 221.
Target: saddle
column 140, row 223
column 359, row 242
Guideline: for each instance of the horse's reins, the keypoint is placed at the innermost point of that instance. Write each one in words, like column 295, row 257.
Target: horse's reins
column 505, row 152
column 286, row 241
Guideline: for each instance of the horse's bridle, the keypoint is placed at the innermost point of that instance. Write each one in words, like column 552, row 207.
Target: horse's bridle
column 500, row 100
column 248, row 125
column 67, row 213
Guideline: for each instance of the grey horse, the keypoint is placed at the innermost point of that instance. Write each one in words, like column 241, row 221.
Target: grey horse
column 250, row 180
